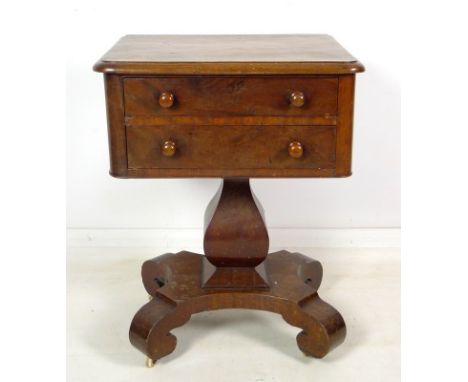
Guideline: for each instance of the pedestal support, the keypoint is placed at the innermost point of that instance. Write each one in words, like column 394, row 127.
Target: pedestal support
column 235, row 272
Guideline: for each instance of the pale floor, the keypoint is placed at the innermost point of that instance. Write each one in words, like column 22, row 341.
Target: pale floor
column 104, row 291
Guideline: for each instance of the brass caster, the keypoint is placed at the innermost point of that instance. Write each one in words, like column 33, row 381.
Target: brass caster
column 150, row 297
column 150, row 362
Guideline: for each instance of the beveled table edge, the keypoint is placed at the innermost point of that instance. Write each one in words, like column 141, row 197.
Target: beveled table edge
column 227, row 68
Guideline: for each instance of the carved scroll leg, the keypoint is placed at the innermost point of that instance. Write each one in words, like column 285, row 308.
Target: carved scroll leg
column 151, row 326
column 324, row 327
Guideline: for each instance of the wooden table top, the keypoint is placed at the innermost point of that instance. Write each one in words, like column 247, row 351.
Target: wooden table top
column 228, row 54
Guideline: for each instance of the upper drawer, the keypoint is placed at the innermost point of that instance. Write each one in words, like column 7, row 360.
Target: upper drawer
column 214, row 96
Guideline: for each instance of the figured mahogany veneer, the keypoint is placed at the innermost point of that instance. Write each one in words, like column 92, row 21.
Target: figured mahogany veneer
column 231, row 147
column 232, row 96
column 137, row 123
column 233, row 107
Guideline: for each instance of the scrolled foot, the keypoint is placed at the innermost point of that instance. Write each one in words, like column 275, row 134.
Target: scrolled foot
column 151, row 326
column 324, row 328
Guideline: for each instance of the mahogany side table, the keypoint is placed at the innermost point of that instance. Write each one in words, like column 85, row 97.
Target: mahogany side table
column 233, row 107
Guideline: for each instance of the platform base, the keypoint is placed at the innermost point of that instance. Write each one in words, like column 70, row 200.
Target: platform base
column 179, row 290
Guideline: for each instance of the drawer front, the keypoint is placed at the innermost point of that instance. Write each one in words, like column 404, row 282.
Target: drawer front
column 233, row 147
column 298, row 96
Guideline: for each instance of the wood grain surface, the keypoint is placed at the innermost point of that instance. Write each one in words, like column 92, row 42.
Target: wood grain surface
column 175, row 282
column 233, row 107
column 220, row 147
column 227, row 54
column 216, row 96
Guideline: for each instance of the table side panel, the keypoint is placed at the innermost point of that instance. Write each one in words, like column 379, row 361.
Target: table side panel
column 344, row 127
column 116, row 125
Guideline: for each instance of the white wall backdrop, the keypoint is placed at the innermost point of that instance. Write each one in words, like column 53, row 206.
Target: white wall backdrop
column 370, row 198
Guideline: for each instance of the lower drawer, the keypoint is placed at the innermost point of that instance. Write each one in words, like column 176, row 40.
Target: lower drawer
column 231, row 147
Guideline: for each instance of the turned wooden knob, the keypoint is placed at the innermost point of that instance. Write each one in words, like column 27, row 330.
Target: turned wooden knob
column 168, row 148
column 295, row 149
column 297, row 99
column 166, row 100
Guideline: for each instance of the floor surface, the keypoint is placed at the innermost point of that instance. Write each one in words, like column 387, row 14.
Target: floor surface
column 104, row 291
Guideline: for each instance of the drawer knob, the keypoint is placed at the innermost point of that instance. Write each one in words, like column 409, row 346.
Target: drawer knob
column 166, row 100
column 295, row 149
column 297, row 99
column 168, row 148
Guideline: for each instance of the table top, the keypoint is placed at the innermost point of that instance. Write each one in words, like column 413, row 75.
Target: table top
column 228, row 54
